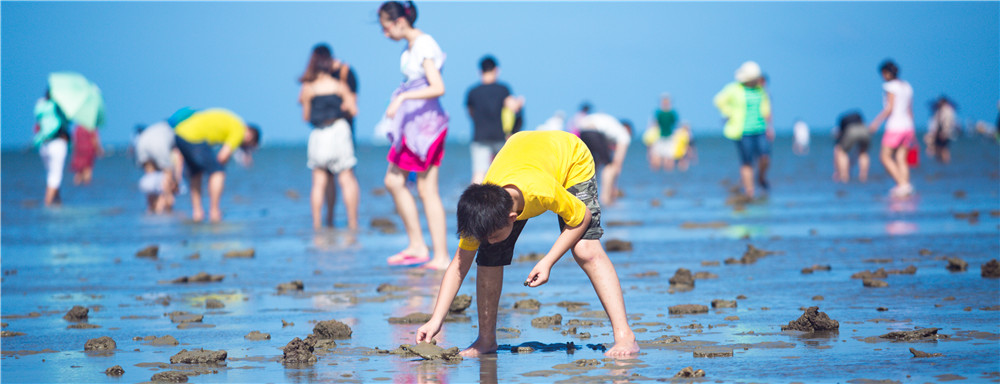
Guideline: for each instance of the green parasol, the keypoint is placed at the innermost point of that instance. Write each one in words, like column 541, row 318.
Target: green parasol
column 79, row 99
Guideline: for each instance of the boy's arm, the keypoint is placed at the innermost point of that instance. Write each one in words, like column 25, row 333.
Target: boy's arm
column 450, row 283
column 567, row 239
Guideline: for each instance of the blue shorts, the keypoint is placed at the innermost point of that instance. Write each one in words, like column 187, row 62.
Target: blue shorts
column 198, row 158
column 752, row 147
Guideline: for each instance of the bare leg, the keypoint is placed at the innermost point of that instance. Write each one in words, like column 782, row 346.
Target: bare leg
column 489, row 283
column 668, row 164
column 152, row 203
column 762, row 165
column 746, row 177
column 607, row 194
column 318, row 195
column 331, row 199
column 890, row 164
column 427, row 186
column 902, row 167
column 406, row 207
column 216, row 181
column 654, row 160
column 590, row 255
column 864, row 161
column 88, row 174
column 197, row 211
column 842, row 165
column 52, row 198
column 352, row 196
column 945, row 155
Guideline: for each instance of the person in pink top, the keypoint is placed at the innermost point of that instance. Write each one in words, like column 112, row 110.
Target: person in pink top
column 897, row 113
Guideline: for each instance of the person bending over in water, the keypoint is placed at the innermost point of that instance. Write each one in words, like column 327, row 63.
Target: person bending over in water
column 533, row 173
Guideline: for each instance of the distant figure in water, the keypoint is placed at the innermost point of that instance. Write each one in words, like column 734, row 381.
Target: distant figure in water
column 417, row 127
column 800, row 134
column 535, row 172
column 941, row 129
column 899, row 137
column 663, row 148
column 747, row 109
column 86, row 148
column 162, row 165
column 850, row 132
column 52, row 140
column 608, row 139
column 327, row 103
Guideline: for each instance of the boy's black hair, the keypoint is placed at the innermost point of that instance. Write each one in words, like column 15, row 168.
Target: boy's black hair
column 891, row 67
column 256, row 137
column 488, row 63
column 483, row 209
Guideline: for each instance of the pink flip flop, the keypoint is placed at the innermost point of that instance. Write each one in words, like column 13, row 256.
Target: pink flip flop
column 403, row 259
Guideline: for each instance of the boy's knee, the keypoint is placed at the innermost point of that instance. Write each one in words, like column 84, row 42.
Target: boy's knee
column 586, row 251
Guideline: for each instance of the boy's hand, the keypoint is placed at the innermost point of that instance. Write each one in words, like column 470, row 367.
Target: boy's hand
column 427, row 331
column 539, row 275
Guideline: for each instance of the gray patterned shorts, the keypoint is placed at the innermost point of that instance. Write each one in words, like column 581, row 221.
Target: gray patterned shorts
column 587, row 193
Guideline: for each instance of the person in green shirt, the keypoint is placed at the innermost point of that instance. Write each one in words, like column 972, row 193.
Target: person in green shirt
column 661, row 152
column 747, row 109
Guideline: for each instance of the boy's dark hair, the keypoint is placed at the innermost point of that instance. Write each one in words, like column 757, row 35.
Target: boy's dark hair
column 889, row 66
column 488, row 63
column 256, row 137
column 483, row 209
column 627, row 124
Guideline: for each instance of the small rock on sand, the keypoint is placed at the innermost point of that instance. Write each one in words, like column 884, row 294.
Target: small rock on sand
column 100, row 344
column 384, row 225
column 682, row 279
column 286, row 323
column 214, row 304
column 546, row 321
column 914, row 335
column 200, row 277
column 990, row 269
column 957, row 265
column 572, row 306
column 713, row 352
column 163, row 341
column 874, row 283
column 83, row 326
column 719, row 303
column 688, row 372
column 818, row 298
column 413, row 318
column 751, row 256
column 198, row 356
column 386, row 287
column 10, row 334
column 710, row 263
column 684, row 309
column 78, row 313
column 530, row 304
column 815, row 268
column 151, row 252
column 812, row 320
column 332, row 329
column 430, row 351
column 115, row 371
column 917, row 353
column 460, row 304
column 169, row 377
column 240, row 254
column 184, row 317
column 528, row 257
column 257, row 336
column 616, row 245
column 705, row 276
column 298, row 351
column 292, row 286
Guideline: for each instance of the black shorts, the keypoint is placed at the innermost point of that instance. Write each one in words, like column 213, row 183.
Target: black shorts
column 501, row 254
column 599, row 147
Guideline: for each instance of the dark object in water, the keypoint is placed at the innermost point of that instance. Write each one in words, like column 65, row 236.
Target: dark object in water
column 917, row 353
column 298, row 352
column 332, row 329
column 78, row 313
column 811, row 321
column 100, row 344
column 688, row 372
column 169, row 377
column 240, row 254
column 615, row 245
column 151, row 252
column 199, row 356
column 115, row 371
column 460, row 304
column 956, row 264
column 915, row 335
column 990, row 269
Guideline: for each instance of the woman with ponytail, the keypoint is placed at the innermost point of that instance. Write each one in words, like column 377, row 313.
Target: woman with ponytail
column 416, row 126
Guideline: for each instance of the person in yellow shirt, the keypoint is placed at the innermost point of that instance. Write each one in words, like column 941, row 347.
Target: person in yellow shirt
column 196, row 133
column 534, row 172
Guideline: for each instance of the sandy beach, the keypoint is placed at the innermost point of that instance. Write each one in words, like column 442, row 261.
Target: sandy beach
column 819, row 282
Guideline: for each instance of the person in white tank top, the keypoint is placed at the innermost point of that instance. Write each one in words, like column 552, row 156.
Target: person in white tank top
column 899, row 137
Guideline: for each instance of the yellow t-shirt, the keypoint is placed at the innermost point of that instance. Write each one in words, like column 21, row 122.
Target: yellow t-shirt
column 213, row 126
column 542, row 165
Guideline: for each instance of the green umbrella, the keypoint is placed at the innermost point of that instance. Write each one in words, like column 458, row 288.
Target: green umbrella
column 79, row 99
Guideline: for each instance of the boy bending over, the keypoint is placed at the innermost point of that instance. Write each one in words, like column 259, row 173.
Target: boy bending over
column 534, row 172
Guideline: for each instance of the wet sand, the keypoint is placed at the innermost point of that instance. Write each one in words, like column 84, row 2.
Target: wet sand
column 168, row 314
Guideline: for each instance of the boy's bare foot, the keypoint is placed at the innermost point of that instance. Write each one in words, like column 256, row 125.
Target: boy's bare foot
column 479, row 348
column 197, row 215
column 215, row 215
column 623, row 349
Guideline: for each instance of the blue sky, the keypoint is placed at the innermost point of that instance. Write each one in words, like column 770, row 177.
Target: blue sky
column 150, row 58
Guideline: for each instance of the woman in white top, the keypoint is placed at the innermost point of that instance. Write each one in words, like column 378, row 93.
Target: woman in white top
column 417, row 126
column 897, row 113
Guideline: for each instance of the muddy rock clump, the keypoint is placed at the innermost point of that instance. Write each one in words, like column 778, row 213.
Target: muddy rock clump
column 332, row 329
column 164, row 341
column 169, row 377
column 990, row 269
column 529, row 304
column 290, row 287
column 257, row 336
column 115, row 371
column 751, row 256
column 214, row 304
column 200, row 277
column 460, row 304
column 240, row 254
column 384, row 225
column 199, row 356
column 917, row 353
column 78, row 313
column 149, row 252
column 957, row 265
column 413, row 318
column 615, row 245
column 430, row 351
column 874, row 283
column 814, row 268
column 102, row 343
column 920, row 334
column 572, row 306
column 298, row 352
column 688, row 372
column 546, row 321
column 682, row 280
column 386, row 288
column 181, row 317
column 811, row 321
column 719, row 303
column 685, row 309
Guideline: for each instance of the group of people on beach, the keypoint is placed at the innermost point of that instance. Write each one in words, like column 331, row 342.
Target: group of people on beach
column 515, row 175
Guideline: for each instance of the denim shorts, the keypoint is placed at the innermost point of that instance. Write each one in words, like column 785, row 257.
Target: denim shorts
column 752, row 147
column 198, row 158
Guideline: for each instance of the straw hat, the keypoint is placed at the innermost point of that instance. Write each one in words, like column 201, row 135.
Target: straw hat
column 748, row 71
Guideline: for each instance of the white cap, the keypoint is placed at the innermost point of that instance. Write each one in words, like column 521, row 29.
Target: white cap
column 748, row 71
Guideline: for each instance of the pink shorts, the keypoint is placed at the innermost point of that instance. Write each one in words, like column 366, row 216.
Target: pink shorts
column 409, row 161
column 898, row 139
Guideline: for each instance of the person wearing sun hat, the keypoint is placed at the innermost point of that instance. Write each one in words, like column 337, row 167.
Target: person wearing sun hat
column 747, row 109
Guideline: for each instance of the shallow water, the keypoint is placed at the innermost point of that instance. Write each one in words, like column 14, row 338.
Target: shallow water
column 84, row 254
